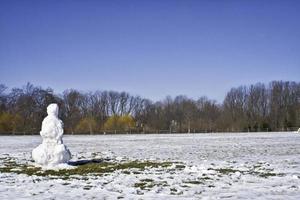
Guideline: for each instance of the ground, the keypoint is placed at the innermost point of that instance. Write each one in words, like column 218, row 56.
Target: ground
column 180, row 166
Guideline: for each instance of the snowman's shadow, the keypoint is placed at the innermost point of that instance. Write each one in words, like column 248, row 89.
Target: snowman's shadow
column 86, row 161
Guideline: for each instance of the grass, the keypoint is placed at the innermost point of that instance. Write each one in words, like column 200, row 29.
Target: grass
column 194, row 182
column 226, row 170
column 104, row 167
column 179, row 166
column 174, row 191
column 141, row 185
column 88, row 168
column 147, row 184
column 268, row 174
column 253, row 171
column 199, row 180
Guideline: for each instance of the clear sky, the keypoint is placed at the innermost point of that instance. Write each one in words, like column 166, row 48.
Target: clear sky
column 151, row 48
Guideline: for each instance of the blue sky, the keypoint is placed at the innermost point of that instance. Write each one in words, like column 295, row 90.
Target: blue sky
column 149, row 48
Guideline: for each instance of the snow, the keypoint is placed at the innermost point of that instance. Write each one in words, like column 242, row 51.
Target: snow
column 215, row 166
column 52, row 152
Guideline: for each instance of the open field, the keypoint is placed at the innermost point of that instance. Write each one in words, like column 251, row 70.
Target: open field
column 180, row 166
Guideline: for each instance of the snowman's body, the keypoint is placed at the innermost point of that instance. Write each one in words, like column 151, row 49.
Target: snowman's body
column 52, row 151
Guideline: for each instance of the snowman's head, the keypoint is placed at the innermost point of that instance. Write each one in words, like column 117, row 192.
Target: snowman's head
column 52, row 110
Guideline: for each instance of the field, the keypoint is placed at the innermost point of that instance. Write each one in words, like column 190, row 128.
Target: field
column 180, row 166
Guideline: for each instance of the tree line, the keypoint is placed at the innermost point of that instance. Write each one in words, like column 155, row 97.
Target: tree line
column 259, row 107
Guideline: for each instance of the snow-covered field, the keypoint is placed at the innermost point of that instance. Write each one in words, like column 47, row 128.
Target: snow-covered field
column 205, row 166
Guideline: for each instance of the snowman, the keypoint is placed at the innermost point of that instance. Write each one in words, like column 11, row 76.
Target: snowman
column 52, row 151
